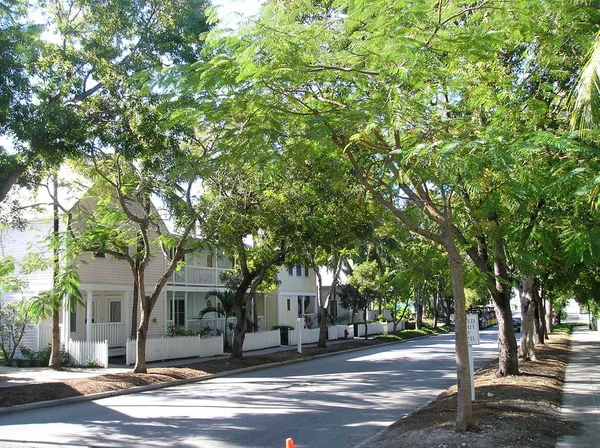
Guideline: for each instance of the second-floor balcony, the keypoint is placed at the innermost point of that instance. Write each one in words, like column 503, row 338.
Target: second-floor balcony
column 197, row 276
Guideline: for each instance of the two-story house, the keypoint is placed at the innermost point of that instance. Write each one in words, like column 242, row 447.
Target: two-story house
column 107, row 290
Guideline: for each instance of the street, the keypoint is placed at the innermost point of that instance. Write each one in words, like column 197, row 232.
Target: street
column 336, row 401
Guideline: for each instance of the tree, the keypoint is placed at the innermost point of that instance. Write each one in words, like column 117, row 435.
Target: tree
column 406, row 101
column 85, row 68
column 125, row 224
column 227, row 309
column 260, row 216
column 14, row 316
column 364, row 279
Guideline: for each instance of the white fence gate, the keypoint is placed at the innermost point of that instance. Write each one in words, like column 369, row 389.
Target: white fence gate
column 84, row 353
column 159, row 349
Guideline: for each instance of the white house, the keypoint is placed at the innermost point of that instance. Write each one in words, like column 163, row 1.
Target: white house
column 107, row 291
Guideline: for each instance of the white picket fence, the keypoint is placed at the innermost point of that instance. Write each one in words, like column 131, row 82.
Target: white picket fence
column 309, row 336
column 160, row 349
column 338, row 332
column 264, row 339
column 379, row 328
column 86, row 353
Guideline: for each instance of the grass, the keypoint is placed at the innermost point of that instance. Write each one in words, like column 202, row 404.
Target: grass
column 567, row 327
column 410, row 334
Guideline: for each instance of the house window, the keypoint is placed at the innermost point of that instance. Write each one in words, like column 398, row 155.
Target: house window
column 114, row 311
column 298, row 270
column 289, row 304
column 73, row 319
column 209, row 260
column 306, row 271
column 291, row 270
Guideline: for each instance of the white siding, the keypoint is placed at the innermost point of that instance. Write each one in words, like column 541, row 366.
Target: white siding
column 288, row 317
column 308, row 285
column 18, row 243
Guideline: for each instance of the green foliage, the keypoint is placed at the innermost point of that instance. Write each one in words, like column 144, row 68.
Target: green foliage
column 174, row 331
column 567, row 327
column 410, row 334
column 92, row 363
column 66, row 288
column 40, row 358
column 14, row 318
column 9, row 282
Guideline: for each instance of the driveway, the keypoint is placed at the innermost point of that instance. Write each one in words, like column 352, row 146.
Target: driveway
column 336, row 401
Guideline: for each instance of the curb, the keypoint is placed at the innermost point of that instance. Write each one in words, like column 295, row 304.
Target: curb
column 149, row 387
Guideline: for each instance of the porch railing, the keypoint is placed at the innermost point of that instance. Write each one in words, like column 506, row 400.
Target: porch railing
column 218, row 325
column 192, row 275
column 114, row 333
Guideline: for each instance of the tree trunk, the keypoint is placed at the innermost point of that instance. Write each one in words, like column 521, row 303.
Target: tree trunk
column 418, row 307
column 464, row 415
column 549, row 313
column 54, row 362
column 254, row 312
column 134, row 312
column 323, row 306
column 239, row 334
column 540, row 322
column 508, row 361
column 142, row 336
column 448, row 308
column 527, row 350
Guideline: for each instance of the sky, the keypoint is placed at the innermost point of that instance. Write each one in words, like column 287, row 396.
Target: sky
column 232, row 11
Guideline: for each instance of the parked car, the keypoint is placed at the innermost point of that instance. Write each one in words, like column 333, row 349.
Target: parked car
column 516, row 320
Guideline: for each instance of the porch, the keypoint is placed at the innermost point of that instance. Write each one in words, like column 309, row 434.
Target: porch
column 214, row 326
column 114, row 333
column 197, row 276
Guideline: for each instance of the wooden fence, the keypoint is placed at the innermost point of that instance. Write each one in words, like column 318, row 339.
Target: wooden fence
column 264, row 339
column 160, row 349
column 87, row 353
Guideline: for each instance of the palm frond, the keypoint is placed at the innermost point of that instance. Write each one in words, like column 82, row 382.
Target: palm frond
column 586, row 102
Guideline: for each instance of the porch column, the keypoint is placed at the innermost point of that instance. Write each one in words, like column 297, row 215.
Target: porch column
column 127, row 314
column 88, row 315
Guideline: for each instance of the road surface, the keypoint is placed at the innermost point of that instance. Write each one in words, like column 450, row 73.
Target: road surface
column 336, row 401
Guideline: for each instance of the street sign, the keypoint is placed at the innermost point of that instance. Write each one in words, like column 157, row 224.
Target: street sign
column 473, row 329
column 472, row 339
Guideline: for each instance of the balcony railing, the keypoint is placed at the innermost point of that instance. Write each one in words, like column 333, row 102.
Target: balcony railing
column 196, row 276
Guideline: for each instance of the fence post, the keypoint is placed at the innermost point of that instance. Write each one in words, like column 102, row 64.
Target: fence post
column 299, row 325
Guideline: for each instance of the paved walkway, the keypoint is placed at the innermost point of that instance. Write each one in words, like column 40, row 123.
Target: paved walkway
column 581, row 394
column 14, row 376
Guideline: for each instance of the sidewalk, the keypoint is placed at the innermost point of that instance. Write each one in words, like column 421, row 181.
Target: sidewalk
column 581, row 393
column 14, row 376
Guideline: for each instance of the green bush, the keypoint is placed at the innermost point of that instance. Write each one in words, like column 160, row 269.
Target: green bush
column 41, row 358
column 567, row 327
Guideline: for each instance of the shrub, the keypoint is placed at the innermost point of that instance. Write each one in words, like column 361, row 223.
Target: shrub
column 41, row 358
column 175, row 330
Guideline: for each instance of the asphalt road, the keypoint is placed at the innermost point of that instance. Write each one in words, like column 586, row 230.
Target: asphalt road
column 336, row 401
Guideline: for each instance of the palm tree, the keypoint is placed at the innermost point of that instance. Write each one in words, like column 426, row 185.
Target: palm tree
column 586, row 98
column 227, row 299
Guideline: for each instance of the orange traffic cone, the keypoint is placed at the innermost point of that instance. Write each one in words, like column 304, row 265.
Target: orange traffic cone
column 289, row 443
